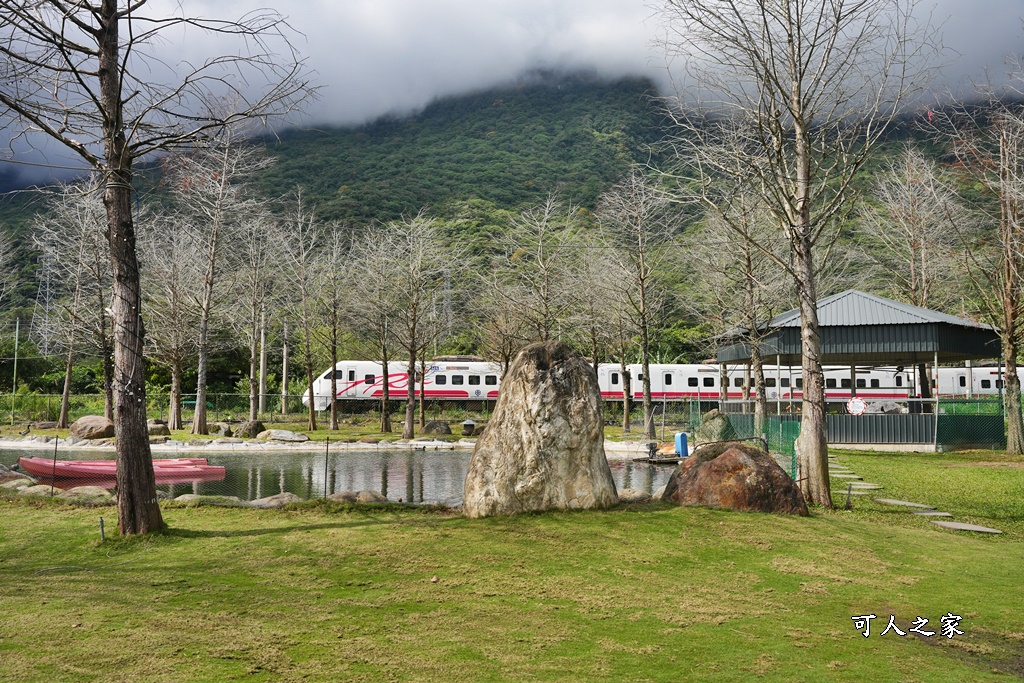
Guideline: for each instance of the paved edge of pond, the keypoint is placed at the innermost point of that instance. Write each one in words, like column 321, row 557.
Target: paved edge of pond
column 614, row 450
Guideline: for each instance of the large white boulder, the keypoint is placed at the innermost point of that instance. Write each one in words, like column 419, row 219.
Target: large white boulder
column 544, row 444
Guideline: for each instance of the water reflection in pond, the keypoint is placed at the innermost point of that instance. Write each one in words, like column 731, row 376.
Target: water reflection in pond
column 409, row 476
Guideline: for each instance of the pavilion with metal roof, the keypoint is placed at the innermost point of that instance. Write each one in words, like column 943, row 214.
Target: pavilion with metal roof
column 861, row 329
column 857, row 327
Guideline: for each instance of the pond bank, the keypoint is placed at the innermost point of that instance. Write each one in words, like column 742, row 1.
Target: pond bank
column 614, row 450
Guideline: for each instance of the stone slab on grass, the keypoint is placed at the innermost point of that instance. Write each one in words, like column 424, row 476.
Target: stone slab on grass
column 865, row 486
column 904, row 503
column 959, row 526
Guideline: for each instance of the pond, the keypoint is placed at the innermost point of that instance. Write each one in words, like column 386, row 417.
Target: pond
column 399, row 475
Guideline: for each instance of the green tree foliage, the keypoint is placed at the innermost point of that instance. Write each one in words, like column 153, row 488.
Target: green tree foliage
column 510, row 147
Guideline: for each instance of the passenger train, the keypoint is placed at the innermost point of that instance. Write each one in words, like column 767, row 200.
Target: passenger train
column 474, row 380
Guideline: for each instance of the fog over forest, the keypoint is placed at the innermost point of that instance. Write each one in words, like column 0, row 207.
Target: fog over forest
column 377, row 57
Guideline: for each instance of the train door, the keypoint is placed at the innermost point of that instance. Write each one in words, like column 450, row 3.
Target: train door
column 347, row 381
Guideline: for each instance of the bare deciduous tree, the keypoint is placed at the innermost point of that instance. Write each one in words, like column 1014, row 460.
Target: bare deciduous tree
column 70, row 235
column 372, row 301
column 89, row 76
column 535, row 280
column 301, row 236
column 737, row 286
column 988, row 141
column 914, row 221
column 171, row 261
column 331, row 300
column 209, row 185
column 638, row 229
column 800, row 91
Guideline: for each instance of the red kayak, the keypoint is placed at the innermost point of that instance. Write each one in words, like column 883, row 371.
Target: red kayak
column 177, row 469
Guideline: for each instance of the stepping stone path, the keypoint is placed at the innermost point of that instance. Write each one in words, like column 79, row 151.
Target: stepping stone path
column 862, row 488
column 967, row 527
column 904, row 503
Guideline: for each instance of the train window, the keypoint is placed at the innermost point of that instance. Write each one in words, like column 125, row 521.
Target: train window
column 830, row 383
column 351, row 375
column 458, row 379
column 326, row 375
column 709, row 381
column 474, row 379
column 875, row 384
column 799, row 382
column 491, row 380
column 668, row 378
column 845, row 383
column 639, row 377
column 861, row 384
column 691, row 381
column 785, row 381
column 369, row 379
column 986, row 384
column 963, row 381
column 441, row 379
column 769, row 381
column 615, row 378
column 899, row 380
column 737, row 382
column 999, row 384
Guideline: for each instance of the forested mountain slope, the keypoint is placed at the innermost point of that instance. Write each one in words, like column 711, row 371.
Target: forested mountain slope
column 508, row 146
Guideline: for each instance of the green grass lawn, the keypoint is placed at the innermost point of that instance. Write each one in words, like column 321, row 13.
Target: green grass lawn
column 648, row 593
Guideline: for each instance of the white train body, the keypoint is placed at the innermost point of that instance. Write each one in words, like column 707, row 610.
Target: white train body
column 480, row 381
column 450, row 381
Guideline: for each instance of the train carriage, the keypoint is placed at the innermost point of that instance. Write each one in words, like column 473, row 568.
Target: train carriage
column 479, row 381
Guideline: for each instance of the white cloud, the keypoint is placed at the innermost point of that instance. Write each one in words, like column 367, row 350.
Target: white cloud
column 374, row 57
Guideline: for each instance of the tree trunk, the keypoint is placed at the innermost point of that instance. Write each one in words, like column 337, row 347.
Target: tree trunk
column 308, row 352
column 385, row 395
column 65, row 396
column 423, row 386
column 924, row 382
column 137, row 509
column 333, row 405
column 645, row 365
column 1011, row 384
column 199, row 415
column 174, row 411
column 627, row 398
column 254, row 379
column 263, row 359
column 108, row 365
column 284, row 371
column 760, row 397
column 410, row 401
column 811, row 445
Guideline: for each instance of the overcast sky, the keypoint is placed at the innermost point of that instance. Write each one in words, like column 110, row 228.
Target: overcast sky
column 379, row 56
column 375, row 57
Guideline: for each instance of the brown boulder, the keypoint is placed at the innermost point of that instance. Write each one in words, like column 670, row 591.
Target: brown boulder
column 249, row 430
column 734, row 476
column 436, row 427
column 158, row 428
column 93, row 427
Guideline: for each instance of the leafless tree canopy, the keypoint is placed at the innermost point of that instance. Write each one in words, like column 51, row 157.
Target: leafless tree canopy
column 786, row 99
column 92, row 76
column 53, row 59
